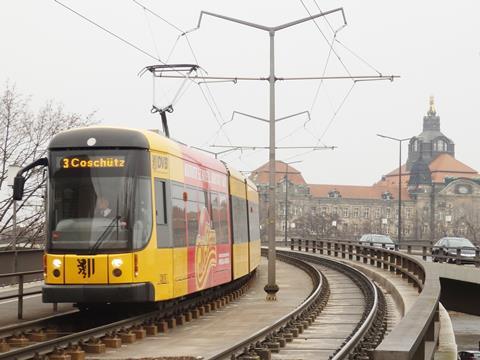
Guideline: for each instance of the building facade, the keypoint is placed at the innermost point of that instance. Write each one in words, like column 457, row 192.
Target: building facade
column 440, row 196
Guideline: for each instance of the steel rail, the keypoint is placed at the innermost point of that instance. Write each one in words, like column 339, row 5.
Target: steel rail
column 366, row 323
column 48, row 346
column 305, row 262
column 10, row 330
column 283, row 321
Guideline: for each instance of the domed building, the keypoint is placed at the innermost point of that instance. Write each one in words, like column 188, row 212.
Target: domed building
column 440, row 196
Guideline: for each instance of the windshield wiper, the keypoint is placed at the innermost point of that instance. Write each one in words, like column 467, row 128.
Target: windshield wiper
column 104, row 234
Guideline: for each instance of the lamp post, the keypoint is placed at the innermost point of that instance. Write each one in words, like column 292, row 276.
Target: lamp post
column 286, row 198
column 12, row 172
column 399, row 230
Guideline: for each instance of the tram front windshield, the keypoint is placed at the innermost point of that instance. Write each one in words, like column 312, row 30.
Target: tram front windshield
column 99, row 201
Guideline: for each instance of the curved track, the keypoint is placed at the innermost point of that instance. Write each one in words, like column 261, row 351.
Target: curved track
column 344, row 317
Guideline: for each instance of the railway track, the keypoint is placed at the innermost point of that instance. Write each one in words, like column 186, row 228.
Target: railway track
column 344, row 317
column 80, row 332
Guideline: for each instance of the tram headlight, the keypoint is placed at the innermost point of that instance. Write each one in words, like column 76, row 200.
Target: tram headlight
column 116, row 263
column 57, row 263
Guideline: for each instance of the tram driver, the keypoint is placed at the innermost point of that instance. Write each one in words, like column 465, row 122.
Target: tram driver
column 102, row 208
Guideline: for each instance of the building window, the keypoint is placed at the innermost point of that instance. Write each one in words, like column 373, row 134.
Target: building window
column 345, row 212
column 440, row 145
column 366, row 212
column 324, row 210
column 334, row 210
column 387, row 212
column 356, row 212
column 387, row 195
column 355, row 228
column 409, row 212
column 334, row 194
column 377, row 213
column 314, row 210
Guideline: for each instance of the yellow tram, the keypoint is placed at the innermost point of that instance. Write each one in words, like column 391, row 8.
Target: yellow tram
column 134, row 216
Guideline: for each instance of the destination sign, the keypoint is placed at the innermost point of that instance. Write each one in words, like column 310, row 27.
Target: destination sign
column 93, row 162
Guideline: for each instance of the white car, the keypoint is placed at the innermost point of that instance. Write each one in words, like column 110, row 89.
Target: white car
column 377, row 240
column 446, row 248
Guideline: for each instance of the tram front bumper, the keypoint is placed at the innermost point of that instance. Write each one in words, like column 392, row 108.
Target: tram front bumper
column 118, row 293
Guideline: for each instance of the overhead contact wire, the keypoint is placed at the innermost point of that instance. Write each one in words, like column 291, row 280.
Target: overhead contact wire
column 110, row 32
column 212, row 99
column 321, row 32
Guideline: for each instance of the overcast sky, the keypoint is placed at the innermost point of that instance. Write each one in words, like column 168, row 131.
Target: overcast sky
column 434, row 46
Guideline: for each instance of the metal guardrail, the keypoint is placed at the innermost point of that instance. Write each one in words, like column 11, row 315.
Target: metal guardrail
column 20, row 290
column 27, row 260
column 415, row 336
column 427, row 251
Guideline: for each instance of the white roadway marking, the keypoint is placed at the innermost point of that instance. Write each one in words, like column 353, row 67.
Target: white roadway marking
column 24, row 298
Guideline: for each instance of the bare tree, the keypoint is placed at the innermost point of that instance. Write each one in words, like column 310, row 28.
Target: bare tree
column 24, row 137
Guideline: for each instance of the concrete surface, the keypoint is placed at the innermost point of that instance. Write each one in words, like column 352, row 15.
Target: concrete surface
column 447, row 346
column 33, row 308
column 467, row 330
column 219, row 329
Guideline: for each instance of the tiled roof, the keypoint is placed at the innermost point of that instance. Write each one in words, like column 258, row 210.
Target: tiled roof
column 357, row 192
column 260, row 176
column 442, row 166
column 447, row 163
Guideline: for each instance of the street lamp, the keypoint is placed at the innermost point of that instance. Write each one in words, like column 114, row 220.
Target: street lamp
column 399, row 236
column 12, row 172
column 286, row 198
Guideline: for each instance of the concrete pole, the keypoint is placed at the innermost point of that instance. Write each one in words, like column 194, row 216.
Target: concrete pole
column 399, row 236
column 271, row 288
column 286, row 206
column 15, row 261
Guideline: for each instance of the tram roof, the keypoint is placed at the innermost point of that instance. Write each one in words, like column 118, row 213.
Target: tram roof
column 117, row 137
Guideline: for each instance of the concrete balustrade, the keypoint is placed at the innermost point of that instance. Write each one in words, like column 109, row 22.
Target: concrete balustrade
column 416, row 335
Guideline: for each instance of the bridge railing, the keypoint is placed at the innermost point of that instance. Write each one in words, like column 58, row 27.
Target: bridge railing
column 27, row 260
column 21, row 278
column 423, row 249
column 416, row 335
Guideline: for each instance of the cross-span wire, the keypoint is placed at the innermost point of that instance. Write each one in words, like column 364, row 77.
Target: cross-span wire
column 151, row 33
column 334, row 116
column 348, row 49
column 212, row 104
column 315, row 98
column 323, row 35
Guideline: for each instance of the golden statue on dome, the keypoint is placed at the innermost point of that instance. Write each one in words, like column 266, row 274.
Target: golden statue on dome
column 432, row 106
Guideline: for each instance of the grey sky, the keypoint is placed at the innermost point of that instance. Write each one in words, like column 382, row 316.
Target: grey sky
column 434, row 46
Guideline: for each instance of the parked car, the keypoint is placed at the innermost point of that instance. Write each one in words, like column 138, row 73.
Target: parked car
column 468, row 355
column 445, row 249
column 377, row 240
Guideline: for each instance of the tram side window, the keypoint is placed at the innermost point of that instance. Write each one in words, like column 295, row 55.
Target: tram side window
column 164, row 238
column 218, row 204
column 178, row 217
column 223, row 219
column 197, row 202
column 160, row 202
column 254, row 221
column 192, row 217
column 239, row 215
